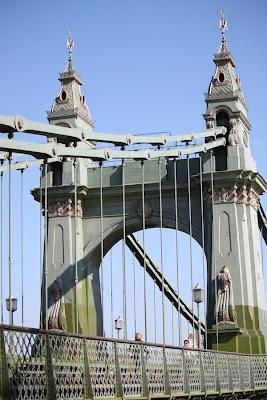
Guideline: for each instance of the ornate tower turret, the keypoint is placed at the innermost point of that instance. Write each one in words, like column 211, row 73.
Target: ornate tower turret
column 70, row 108
column 73, row 295
column 226, row 106
column 237, row 313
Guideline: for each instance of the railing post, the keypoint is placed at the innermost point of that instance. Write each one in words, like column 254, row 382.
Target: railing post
column 166, row 373
column 186, row 382
column 5, row 390
column 50, row 380
column 88, row 390
column 241, row 378
column 217, row 378
column 203, row 381
column 230, row 380
column 144, row 374
column 252, row 383
column 119, row 390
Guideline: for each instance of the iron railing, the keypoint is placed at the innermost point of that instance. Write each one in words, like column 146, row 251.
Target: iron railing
column 37, row 364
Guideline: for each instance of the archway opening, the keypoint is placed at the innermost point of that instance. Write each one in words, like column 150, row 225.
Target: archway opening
column 142, row 291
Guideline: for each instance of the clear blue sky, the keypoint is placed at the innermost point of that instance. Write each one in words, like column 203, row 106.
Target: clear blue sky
column 145, row 65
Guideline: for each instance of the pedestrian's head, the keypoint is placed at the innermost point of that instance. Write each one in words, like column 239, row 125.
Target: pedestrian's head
column 186, row 343
column 138, row 336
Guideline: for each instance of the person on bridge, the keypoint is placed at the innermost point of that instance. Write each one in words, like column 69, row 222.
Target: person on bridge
column 138, row 336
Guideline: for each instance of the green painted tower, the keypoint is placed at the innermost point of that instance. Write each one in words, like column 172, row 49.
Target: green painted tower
column 72, row 290
column 234, row 236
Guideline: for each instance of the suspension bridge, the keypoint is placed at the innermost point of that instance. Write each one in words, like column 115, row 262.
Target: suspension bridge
column 99, row 189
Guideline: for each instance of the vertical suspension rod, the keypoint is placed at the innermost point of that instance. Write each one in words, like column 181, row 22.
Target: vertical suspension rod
column 102, row 240
column 213, row 248
column 1, row 246
column 46, row 249
column 75, row 248
column 144, row 251
column 10, row 238
column 203, row 249
column 155, row 312
column 134, row 292
column 177, row 248
column 40, row 234
column 161, row 254
column 190, row 239
column 111, row 291
column 22, row 245
column 123, row 252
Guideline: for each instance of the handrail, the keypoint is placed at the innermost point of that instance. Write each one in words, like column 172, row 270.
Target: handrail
column 48, row 364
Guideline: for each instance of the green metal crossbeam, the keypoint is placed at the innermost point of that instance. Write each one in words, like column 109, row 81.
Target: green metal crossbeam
column 157, row 276
column 17, row 123
column 51, row 150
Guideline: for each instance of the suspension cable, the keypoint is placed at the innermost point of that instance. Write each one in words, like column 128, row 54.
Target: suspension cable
column 134, row 292
column 41, row 237
column 1, row 246
column 155, row 312
column 203, row 249
column 213, row 245
column 10, row 237
column 22, row 245
column 102, row 240
column 161, row 253
column 123, row 252
column 172, row 306
column 177, row 248
column 111, row 291
column 144, row 252
column 75, row 247
column 190, row 240
column 46, row 249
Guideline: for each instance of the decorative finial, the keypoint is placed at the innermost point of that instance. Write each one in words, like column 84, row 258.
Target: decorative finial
column 223, row 24
column 70, row 46
column 70, row 43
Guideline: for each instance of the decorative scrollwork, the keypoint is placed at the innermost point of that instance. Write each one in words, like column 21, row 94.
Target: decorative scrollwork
column 65, row 209
column 233, row 194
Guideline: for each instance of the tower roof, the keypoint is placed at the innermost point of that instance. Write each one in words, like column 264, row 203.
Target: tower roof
column 69, row 107
column 224, row 83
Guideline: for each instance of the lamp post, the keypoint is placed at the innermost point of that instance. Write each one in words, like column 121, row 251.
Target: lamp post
column 119, row 324
column 198, row 297
column 11, row 306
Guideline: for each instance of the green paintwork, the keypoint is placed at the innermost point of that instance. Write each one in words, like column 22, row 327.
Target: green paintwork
column 231, row 218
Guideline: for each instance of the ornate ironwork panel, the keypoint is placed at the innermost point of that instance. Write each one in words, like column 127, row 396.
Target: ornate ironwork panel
column 154, row 360
column 208, row 362
column 223, row 371
column 130, row 364
column 193, row 369
column 245, row 371
column 175, row 365
column 234, row 370
column 259, row 370
column 26, row 364
column 68, row 366
column 101, row 358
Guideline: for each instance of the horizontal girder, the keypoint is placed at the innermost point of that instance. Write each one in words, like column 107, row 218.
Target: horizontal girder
column 51, row 150
column 20, row 124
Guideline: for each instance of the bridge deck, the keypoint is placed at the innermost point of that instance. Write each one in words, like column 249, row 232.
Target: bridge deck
column 38, row 364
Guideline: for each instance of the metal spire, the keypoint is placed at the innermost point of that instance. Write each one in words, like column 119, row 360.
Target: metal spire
column 223, row 25
column 70, row 45
column 223, row 50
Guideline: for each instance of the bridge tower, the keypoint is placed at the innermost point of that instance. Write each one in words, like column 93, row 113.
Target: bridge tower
column 79, row 236
column 64, row 251
column 234, row 238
